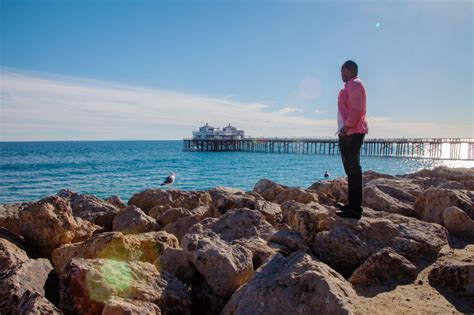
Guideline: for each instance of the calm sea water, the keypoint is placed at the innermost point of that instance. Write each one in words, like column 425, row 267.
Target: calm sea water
column 32, row 170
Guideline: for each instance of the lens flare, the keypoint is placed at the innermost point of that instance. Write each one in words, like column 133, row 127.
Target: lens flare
column 114, row 277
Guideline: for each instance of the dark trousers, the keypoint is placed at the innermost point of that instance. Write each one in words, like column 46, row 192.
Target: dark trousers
column 349, row 146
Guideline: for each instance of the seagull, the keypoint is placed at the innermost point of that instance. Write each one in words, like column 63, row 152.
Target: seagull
column 326, row 175
column 169, row 180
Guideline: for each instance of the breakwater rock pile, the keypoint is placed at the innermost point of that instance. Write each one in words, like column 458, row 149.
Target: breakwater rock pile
column 273, row 250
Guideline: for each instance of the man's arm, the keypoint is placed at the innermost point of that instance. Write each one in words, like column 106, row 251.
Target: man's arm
column 356, row 96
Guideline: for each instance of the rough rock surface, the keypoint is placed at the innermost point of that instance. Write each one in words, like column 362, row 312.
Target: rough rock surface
column 174, row 261
column 455, row 276
column 182, row 225
column 223, row 191
column 308, row 219
column 49, row 222
column 331, row 192
column 171, row 198
column 10, row 216
column 296, row 284
column 94, row 210
column 35, row 303
column 10, row 255
column 90, row 283
column 391, row 195
column 115, row 245
column 119, row 306
column 133, row 220
column 349, row 243
column 385, row 265
column 277, row 193
column 172, row 215
column 431, row 204
column 30, row 275
column 459, row 174
column 228, row 202
column 240, row 224
column 291, row 240
column 271, row 211
column 458, row 222
column 117, row 202
column 208, row 252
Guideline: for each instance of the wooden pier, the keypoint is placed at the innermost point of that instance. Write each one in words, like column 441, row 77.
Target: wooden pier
column 429, row 148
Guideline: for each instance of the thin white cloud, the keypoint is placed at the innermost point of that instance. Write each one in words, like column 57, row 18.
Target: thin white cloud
column 319, row 111
column 45, row 107
column 287, row 110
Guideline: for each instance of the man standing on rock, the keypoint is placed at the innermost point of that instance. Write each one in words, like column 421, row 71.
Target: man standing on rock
column 352, row 129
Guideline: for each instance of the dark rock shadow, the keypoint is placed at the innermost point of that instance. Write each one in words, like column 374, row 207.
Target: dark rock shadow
column 390, row 285
column 462, row 303
column 374, row 290
column 459, row 243
column 51, row 288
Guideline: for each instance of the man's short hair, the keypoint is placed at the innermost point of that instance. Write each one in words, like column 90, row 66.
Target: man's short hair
column 351, row 65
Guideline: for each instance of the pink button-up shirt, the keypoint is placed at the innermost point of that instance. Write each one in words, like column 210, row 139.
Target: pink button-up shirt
column 351, row 107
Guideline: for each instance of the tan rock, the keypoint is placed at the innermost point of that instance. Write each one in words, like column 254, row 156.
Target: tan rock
column 458, row 222
column 94, row 210
column 10, row 216
column 241, row 224
column 150, row 198
column 223, row 191
column 228, row 202
column 117, row 202
column 133, row 220
column 91, row 284
column 208, row 252
column 456, row 276
column 308, row 219
column 172, row 215
column 451, row 173
column 261, row 251
column 385, row 265
column 120, row 306
column 431, row 204
column 271, row 211
column 350, row 242
column 30, row 275
column 291, row 240
column 380, row 201
column 331, row 192
column 49, row 222
column 296, row 284
column 268, row 189
column 174, row 261
column 10, row 255
column 369, row 175
column 115, row 245
column 34, row 303
column 182, row 225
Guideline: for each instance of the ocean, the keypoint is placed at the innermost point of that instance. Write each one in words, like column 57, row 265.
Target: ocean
column 32, row 170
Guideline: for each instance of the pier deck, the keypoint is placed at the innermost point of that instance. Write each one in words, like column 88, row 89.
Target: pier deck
column 430, row 148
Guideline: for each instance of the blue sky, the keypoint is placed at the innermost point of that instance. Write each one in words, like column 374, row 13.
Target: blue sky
column 73, row 70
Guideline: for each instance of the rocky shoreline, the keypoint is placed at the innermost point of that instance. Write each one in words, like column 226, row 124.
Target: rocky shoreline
column 273, row 250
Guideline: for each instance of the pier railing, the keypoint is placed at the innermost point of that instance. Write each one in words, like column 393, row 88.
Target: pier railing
column 431, row 148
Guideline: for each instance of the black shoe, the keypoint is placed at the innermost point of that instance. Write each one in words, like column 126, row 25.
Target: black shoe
column 342, row 206
column 349, row 213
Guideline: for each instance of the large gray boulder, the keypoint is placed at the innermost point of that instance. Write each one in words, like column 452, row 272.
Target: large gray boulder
column 296, row 284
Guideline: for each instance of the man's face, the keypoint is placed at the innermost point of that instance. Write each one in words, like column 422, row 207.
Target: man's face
column 346, row 74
